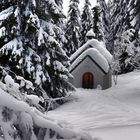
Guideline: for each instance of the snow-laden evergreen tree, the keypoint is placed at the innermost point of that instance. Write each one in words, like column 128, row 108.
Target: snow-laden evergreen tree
column 134, row 6
column 125, row 51
column 126, row 39
column 31, row 44
column 97, row 23
column 113, row 19
column 18, row 27
column 73, row 26
column 106, row 21
column 86, row 21
column 53, row 57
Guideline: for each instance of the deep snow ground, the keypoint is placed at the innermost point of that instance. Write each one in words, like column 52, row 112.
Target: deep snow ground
column 104, row 113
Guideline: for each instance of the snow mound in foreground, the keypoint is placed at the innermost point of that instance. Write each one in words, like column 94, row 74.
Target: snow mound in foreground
column 17, row 117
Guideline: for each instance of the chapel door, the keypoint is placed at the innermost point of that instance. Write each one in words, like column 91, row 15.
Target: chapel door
column 88, row 80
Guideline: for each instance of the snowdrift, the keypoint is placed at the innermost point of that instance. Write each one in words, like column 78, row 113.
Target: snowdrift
column 18, row 114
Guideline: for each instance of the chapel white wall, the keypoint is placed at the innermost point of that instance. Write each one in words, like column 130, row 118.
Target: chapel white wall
column 87, row 65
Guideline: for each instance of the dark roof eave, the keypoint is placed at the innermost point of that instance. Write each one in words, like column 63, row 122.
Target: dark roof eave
column 92, row 61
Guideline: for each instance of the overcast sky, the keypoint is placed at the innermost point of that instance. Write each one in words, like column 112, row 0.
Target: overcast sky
column 66, row 4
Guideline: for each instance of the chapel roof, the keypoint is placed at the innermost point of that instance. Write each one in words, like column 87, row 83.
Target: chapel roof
column 96, row 51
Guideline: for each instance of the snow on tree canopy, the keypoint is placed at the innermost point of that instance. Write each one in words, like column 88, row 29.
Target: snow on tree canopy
column 96, row 50
column 14, row 45
column 2, row 31
column 6, row 13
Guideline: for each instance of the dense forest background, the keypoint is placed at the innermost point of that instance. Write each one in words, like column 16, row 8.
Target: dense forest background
column 37, row 39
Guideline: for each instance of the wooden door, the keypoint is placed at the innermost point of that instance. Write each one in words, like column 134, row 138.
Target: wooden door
column 88, row 80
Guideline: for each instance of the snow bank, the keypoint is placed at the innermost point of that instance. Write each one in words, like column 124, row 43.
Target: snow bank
column 112, row 114
column 118, row 133
column 28, row 116
column 95, row 55
column 93, row 43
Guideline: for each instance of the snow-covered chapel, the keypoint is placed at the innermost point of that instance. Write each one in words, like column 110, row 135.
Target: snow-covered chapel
column 90, row 66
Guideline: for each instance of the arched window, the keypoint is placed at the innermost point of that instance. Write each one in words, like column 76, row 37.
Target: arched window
column 88, row 80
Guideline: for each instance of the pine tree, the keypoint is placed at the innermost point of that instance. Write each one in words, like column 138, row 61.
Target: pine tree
column 53, row 56
column 31, row 44
column 113, row 18
column 128, row 39
column 134, row 6
column 97, row 24
column 125, row 51
column 72, row 28
column 106, row 20
column 19, row 25
column 86, row 21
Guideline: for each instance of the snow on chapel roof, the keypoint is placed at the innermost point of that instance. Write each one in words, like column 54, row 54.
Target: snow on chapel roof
column 95, row 50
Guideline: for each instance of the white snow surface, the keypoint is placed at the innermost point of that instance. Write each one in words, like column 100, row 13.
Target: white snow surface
column 93, row 43
column 112, row 114
column 90, row 33
column 95, row 55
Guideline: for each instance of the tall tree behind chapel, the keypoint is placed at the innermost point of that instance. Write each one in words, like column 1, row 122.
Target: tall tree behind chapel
column 97, row 23
column 113, row 19
column 86, row 21
column 121, row 32
column 72, row 31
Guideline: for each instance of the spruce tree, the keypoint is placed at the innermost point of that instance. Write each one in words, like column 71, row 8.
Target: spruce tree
column 127, row 39
column 113, row 18
column 125, row 51
column 19, row 25
column 72, row 28
column 86, row 21
column 54, row 59
column 134, row 6
column 97, row 24
column 31, row 44
column 106, row 20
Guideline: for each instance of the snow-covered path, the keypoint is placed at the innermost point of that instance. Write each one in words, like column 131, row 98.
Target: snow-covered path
column 117, row 106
